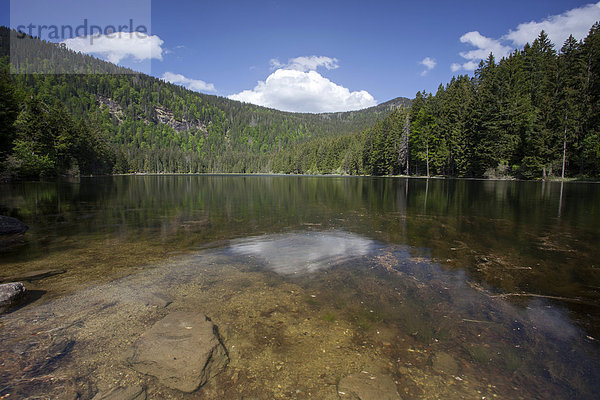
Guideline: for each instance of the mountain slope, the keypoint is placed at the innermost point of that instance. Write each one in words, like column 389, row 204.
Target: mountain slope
column 160, row 127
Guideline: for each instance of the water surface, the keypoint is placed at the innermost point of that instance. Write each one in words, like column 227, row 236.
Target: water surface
column 457, row 289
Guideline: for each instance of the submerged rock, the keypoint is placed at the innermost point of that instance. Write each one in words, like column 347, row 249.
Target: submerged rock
column 11, row 226
column 182, row 350
column 122, row 393
column 33, row 275
column 365, row 386
column 11, row 295
column 444, row 363
column 157, row 300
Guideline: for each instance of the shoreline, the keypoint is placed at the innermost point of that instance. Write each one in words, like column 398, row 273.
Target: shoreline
column 434, row 177
column 437, row 177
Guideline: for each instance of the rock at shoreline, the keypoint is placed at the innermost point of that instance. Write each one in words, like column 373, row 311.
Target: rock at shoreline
column 365, row 386
column 11, row 295
column 11, row 226
column 122, row 393
column 182, row 350
column 33, row 275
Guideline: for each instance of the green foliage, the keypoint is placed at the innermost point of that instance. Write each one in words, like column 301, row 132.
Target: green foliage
column 522, row 116
column 154, row 126
column 49, row 143
column 375, row 151
column 515, row 117
column 29, row 163
column 9, row 110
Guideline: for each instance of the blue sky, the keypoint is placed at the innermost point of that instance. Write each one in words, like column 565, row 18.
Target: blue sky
column 315, row 56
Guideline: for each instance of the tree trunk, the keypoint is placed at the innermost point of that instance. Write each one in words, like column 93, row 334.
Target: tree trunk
column 407, row 145
column 564, row 149
column 427, row 157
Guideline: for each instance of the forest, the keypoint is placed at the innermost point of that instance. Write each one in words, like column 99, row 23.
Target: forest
column 531, row 115
column 142, row 123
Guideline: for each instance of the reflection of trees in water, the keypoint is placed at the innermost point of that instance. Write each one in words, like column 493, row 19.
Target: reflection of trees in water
column 459, row 222
column 251, row 196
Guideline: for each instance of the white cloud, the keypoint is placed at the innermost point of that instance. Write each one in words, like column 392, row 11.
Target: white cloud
column 484, row 46
column 305, row 64
column 192, row 84
column 297, row 86
column 429, row 63
column 118, row 46
column 275, row 64
column 577, row 22
column 471, row 65
column 311, row 63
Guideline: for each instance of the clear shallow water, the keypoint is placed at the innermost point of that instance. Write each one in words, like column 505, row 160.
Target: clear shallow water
column 310, row 280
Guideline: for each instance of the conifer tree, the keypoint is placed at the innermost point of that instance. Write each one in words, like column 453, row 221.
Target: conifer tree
column 9, row 110
column 590, row 147
column 570, row 98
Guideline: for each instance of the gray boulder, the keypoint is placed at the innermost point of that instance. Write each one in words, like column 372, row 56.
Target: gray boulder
column 366, row 386
column 11, row 295
column 11, row 226
column 182, row 350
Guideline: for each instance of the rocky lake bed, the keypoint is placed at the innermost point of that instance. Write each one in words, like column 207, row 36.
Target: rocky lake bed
column 379, row 323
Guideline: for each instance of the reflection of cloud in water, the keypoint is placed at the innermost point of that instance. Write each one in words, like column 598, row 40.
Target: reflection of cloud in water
column 553, row 321
column 303, row 252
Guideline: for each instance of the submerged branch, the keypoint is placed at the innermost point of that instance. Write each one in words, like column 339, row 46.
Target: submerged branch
column 476, row 321
column 559, row 298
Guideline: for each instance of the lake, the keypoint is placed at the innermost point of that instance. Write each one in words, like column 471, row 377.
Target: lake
column 453, row 288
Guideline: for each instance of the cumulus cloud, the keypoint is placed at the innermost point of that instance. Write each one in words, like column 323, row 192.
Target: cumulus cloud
column 577, row 22
column 298, row 87
column 429, row 64
column 192, row 84
column 312, row 63
column 305, row 64
column 484, row 46
column 118, row 46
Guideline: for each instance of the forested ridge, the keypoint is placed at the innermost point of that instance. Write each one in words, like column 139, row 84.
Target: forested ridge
column 523, row 116
column 139, row 123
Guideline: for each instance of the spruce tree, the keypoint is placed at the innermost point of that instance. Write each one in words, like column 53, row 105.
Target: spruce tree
column 9, row 110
